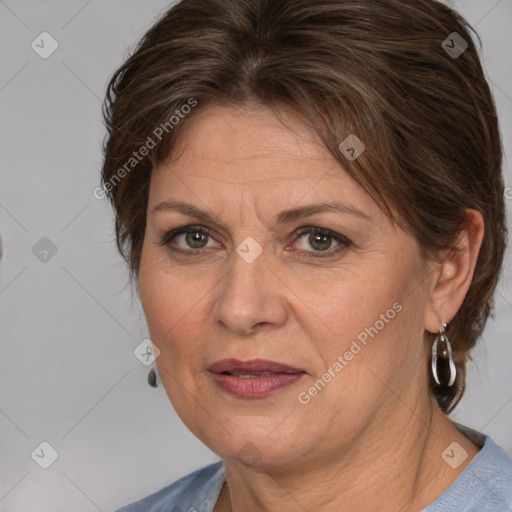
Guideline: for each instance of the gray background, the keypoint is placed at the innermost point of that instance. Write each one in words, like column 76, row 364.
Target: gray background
column 69, row 325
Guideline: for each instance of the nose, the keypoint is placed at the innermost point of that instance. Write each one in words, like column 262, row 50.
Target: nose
column 251, row 297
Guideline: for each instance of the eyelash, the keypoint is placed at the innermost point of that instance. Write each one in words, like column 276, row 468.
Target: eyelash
column 343, row 242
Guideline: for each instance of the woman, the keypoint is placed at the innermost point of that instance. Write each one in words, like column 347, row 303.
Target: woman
column 309, row 197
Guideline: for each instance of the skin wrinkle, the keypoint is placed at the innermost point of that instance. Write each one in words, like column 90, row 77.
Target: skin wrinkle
column 373, row 435
column 424, row 445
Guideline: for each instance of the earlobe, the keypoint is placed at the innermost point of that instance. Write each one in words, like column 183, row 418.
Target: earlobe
column 454, row 274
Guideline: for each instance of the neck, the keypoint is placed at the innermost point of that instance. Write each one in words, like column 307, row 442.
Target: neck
column 390, row 469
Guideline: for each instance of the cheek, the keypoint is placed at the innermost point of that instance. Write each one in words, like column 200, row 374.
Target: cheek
column 373, row 319
column 161, row 309
column 347, row 304
column 172, row 316
column 174, row 311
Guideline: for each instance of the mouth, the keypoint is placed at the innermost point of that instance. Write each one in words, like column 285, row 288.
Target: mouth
column 255, row 378
column 248, row 375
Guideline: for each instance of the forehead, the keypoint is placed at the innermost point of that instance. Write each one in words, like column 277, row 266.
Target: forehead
column 250, row 131
column 253, row 149
column 234, row 139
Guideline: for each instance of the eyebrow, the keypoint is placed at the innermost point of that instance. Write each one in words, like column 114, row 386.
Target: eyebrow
column 284, row 217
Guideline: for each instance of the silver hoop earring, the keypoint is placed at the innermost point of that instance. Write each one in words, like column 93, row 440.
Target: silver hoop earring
column 446, row 353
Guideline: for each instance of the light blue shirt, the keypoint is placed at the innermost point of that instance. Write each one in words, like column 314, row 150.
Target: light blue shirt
column 484, row 486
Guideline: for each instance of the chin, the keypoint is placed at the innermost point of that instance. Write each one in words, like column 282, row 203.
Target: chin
column 254, row 441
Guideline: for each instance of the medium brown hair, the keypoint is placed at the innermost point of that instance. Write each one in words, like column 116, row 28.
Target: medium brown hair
column 373, row 68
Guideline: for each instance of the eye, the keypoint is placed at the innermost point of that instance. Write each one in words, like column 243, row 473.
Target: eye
column 188, row 239
column 321, row 241
column 193, row 239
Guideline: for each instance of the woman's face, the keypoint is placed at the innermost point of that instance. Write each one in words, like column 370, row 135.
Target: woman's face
column 341, row 305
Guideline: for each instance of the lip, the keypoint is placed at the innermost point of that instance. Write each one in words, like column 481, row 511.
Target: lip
column 277, row 376
column 252, row 366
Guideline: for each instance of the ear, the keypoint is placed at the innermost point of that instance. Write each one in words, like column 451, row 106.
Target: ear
column 454, row 273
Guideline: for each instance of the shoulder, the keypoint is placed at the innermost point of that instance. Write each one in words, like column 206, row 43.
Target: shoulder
column 484, row 486
column 195, row 492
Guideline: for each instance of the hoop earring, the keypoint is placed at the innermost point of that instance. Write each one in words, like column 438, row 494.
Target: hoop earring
column 446, row 353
